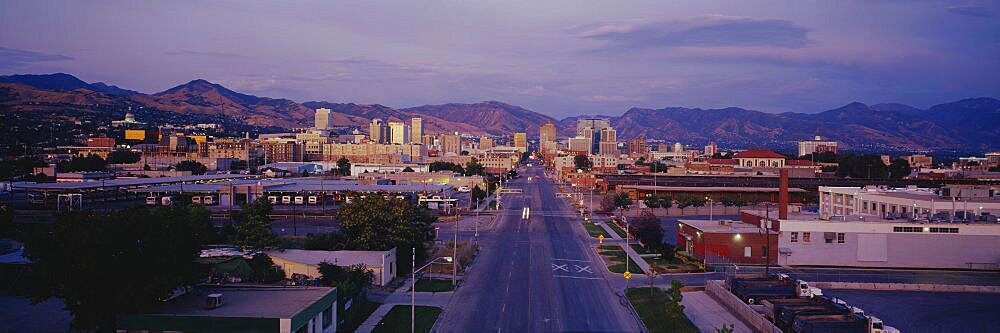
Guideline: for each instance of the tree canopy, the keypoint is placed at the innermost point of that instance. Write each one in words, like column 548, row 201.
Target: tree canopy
column 343, row 166
column 83, row 164
column 582, row 162
column 195, row 167
column 252, row 226
column 121, row 156
column 103, row 264
column 376, row 223
column 473, row 168
column 647, row 228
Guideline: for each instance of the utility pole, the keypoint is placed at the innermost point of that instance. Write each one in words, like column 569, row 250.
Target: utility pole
column 413, row 291
column 767, row 237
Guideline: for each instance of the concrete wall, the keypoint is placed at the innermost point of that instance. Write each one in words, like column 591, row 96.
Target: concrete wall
column 717, row 290
column 949, row 288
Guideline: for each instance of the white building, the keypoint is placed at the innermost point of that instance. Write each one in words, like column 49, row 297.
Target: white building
column 806, row 240
column 359, row 168
column 817, row 145
column 306, row 262
column 950, row 203
column 399, row 133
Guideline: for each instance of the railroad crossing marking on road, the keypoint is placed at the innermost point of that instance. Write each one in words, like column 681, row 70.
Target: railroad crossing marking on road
column 628, row 275
column 563, row 267
column 581, row 269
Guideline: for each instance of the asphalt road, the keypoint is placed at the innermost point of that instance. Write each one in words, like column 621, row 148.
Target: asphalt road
column 927, row 311
column 538, row 275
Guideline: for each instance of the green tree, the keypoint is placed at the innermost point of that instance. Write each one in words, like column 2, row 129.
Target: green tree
column 121, row 156
column 473, row 168
column 264, row 269
column 725, row 328
column 344, row 166
column 20, row 167
column 657, row 166
column 582, row 162
column 622, row 201
column 668, row 251
column 447, row 166
column 652, row 201
column 823, row 157
column 673, row 307
column 899, row 168
column 684, row 201
column 351, row 282
column 330, row 241
column 647, row 229
column 863, row 166
column 195, row 167
column 83, row 164
column 378, row 224
column 252, row 226
column 104, row 264
column 477, row 194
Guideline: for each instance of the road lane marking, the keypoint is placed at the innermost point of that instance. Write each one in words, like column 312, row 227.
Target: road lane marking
column 581, row 269
column 564, row 268
column 577, row 260
column 577, row 277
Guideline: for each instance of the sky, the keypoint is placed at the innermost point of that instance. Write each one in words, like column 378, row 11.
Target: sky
column 560, row 58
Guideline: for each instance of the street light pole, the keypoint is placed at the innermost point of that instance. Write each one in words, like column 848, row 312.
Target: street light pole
column 413, row 291
column 710, row 207
column 454, row 262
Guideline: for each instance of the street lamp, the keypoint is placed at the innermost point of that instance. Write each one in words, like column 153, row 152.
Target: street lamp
column 413, row 288
column 710, row 206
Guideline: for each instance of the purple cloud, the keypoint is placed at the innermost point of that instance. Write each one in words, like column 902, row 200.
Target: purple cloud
column 708, row 31
column 972, row 11
column 13, row 58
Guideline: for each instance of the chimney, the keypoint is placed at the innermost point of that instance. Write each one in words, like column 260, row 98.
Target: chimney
column 783, row 194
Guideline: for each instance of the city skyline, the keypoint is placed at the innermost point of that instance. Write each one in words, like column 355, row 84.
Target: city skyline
column 770, row 57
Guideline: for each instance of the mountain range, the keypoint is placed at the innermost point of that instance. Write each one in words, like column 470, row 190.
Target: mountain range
column 965, row 125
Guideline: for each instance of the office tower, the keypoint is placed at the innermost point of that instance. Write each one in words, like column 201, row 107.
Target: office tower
column 416, row 129
column 521, row 141
column 377, row 131
column 323, row 118
column 451, row 143
column 486, row 142
column 591, row 128
column 399, row 133
column 637, row 147
column 711, row 149
column 609, row 142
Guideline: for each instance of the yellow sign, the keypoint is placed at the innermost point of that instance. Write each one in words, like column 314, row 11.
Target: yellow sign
column 628, row 275
column 600, row 239
column 135, row 135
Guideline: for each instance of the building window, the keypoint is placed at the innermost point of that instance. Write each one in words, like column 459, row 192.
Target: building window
column 840, row 238
column 795, row 237
column 806, row 237
column 747, row 252
column 763, row 251
column 327, row 317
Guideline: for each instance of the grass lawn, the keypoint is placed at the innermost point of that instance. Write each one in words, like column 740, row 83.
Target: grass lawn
column 433, row 285
column 616, row 259
column 398, row 319
column 595, row 230
column 618, row 230
column 650, row 308
column 357, row 315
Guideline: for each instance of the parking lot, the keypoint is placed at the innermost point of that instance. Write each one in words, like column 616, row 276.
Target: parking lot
column 927, row 311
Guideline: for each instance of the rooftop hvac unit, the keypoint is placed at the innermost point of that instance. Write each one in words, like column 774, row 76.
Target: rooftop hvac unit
column 213, row 301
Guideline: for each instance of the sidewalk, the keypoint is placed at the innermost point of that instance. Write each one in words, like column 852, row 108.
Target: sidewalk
column 402, row 297
column 604, row 224
column 707, row 314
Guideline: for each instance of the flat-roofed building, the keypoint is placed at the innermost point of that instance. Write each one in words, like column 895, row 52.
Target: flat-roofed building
column 382, row 264
column 323, row 119
column 949, row 203
column 817, row 145
column 521, row 141
column 240, row 309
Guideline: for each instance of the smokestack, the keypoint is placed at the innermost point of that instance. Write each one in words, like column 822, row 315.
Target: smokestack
column 783, row 194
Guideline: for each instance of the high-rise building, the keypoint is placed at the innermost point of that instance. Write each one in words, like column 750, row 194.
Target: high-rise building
column 521, row 141
column 377, row 131
column 323, row 118
column 416, row 129
column 399, row 133
column 711, row 149
column 591, row 128
column 678, row 147
column 609, row 142
column 580, row 145
column 817, row 145
column 451, row 143
column 637, row 147
column 486, row 142
column 547, row 132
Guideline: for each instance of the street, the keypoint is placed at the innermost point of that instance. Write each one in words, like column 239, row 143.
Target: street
column 536, row 275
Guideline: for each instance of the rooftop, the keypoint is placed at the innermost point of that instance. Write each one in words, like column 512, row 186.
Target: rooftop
column 758, row 153
column 340, row 258
column 729, row 227
column 245, row 301
column 708, row 188
column 125, row 182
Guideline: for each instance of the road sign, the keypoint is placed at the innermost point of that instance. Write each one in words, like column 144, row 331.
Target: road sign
column 628, row 275
column 600, row 239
